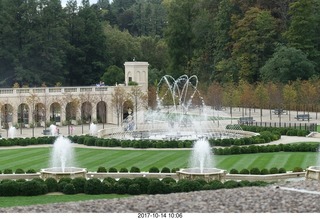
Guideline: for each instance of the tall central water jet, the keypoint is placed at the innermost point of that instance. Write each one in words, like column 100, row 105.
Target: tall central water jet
column 62, row 153
column 201, row 156
column 62, row 161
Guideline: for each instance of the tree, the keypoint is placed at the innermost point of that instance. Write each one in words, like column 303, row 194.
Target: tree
column 88, row 52
column 289, row 97
column 114, row 75
column 253, row 37
column 32, row 100
column 179, row 35
column 119, row 97
column 304, row 31
column 287, row 64
column 261, row 97
column 139, row 100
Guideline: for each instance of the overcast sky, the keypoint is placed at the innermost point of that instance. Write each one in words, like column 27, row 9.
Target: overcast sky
column 64, row 2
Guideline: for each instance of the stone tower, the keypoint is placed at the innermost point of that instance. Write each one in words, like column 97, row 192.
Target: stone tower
column 137, row 72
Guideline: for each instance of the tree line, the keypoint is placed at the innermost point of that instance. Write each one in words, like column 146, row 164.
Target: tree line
column 227, row 41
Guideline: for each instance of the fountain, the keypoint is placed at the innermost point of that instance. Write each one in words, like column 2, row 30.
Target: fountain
column 313, row 172
column 53, row 130
column 93, row 129
column 180, row 114
column 201, row 164
column 12, row 132
column 62, row 161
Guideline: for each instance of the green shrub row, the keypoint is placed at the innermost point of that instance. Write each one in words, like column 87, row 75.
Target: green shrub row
column 134, row 169
column 264, row 171
column 27, row 141
column 296, row 147
column 281, row 130
column 17, row 171
column 109, row 185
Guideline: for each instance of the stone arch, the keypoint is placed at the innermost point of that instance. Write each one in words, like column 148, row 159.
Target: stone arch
column 55, row 112
column 71, row 111
column 6, row 115
column 23, row 114
column 101, row 112
column 86, row 112
column 40, row 114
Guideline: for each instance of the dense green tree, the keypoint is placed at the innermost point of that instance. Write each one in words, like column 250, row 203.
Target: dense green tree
column 179, row 35
column 222, row 40
column 121, row 46
column 287, row 64
column 254, row 37
column 87, row 58
column 114, row 75
column 304, row 30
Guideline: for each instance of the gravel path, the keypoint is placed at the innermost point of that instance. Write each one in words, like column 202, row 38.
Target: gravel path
column 285, row 197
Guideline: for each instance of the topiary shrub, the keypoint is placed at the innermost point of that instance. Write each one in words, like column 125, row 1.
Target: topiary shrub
column 123, row 170
column 134, row 189
column 110, row 180
column 273, row 170
column 79, row 184
column 169, row 180
column 31, row 171
column 156, row 187
column 244, row 171
column 297, row 169
column 264, row 171
column 231, row 184
column 244, row 183
column 255, row 171
column 143, row 182
column 174, row 170
column 7, row 171
column 113, row 170
column 216, row 184
column 101, row 170
column 134, row 170
column 61, row 185
column 154, row 170
column 234, row 171
column 9, row 188
column 282, row 170
column 19, row 171
column 93, row 186
column 120, row 188
column 165, row 170
column 69, row 189
column 33, row 188
column 189, row 185
column 52, row 184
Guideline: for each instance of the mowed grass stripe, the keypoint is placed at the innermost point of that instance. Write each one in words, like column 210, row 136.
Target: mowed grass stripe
column 230, row 162
column 23, row 159
column 19, row 154
column 142, row 160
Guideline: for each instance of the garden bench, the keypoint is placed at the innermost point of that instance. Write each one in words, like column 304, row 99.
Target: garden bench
column 303, row 117
column 46, row 132
column 246, row 120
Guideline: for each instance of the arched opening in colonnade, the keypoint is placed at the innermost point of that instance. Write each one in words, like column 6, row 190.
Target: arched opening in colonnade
column 40, row 114
column 55, row 112
column 6, row 115
column 23, row 115
column 86, row 112
column 102, row 112
column 71, row 111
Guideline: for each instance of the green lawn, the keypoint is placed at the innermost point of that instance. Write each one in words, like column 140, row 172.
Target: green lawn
column 47, row 199
column 90, row 158
column 37, row 158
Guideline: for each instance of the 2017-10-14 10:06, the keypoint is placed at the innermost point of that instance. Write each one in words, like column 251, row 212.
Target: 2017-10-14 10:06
column 160, row 215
